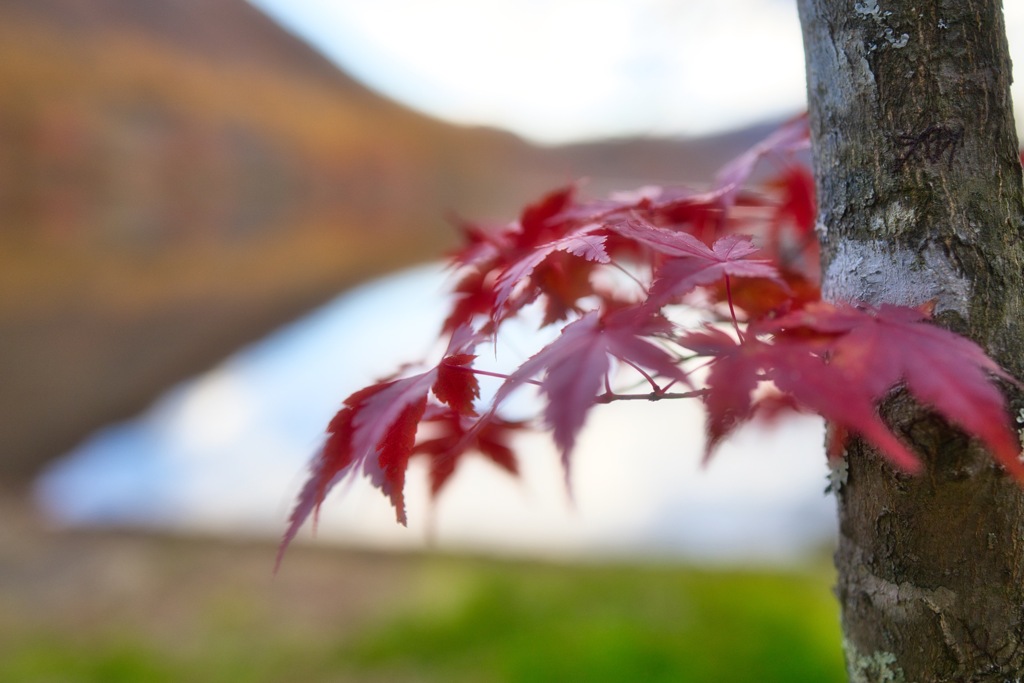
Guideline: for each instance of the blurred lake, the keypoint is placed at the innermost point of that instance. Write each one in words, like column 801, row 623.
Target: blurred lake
column 226, row 452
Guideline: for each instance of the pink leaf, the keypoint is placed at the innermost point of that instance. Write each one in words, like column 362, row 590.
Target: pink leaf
column 575, row 366
column 517, row 275
column 880, row 349
column 693, row 263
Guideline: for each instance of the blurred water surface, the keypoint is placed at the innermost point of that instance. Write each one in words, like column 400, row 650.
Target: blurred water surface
column 227, row 452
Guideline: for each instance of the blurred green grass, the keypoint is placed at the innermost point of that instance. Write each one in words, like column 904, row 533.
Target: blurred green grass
column 464, row 619
column 598, row 623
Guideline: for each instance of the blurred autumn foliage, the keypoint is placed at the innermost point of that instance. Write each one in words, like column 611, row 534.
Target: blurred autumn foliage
column 177, row 178
column 159, row 130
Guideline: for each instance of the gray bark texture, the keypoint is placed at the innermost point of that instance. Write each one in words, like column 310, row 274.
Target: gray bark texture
column 920, row 199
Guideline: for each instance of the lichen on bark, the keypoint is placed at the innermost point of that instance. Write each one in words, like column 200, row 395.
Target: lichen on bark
column 876, row 666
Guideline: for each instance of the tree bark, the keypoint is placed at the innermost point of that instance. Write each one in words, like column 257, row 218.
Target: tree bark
column 920, row 199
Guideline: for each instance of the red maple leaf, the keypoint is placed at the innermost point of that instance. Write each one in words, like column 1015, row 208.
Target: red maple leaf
column 549, row 252
column 797, row 207
column 456, row 435
column 692, row 263
column 791, row 137
column 517, row 277
column 489, row 253
column 840, row 361
column 472, row 296
column 799, row 371
column 375, row 431
column 575, row 366
column 480, row 244
column 732, row 377
column 540, row 220
column 760, row 298
column 893, row 345
column 456, row 384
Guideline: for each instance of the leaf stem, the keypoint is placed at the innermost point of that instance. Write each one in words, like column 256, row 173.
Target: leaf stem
column 732, row 310
column 646, row 376
column 631, row 276
column 488, row 373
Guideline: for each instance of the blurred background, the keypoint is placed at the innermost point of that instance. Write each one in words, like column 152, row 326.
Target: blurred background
column 197, row 198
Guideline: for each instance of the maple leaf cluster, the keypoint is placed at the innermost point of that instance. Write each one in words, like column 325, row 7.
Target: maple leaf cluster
column 661, row 293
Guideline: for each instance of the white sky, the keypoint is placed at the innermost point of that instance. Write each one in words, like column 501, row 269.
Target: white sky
column 562, row 70
column 566, row 70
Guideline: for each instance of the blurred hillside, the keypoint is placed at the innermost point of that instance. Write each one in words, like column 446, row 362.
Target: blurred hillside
column 179, row 177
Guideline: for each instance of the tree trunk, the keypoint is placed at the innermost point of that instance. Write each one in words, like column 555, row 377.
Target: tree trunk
column 920, row 199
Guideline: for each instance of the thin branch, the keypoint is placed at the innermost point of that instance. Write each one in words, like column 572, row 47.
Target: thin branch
column 653, row 396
